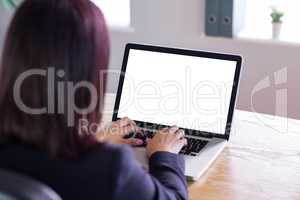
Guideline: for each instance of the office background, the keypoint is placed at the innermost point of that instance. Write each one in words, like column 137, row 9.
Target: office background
column 179, row 23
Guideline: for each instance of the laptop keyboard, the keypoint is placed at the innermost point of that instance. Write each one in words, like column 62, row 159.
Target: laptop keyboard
column 193, row 147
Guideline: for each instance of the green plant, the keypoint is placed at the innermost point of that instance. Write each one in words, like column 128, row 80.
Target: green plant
column 276, row 15
column 10, row 4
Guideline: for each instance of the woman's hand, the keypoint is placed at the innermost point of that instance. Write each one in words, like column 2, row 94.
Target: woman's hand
column 116, row 131
column 168, row 139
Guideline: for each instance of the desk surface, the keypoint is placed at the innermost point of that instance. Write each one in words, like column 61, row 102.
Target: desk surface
column 262, row 160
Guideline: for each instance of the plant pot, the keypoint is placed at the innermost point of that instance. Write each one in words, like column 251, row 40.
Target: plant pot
column 276, row 30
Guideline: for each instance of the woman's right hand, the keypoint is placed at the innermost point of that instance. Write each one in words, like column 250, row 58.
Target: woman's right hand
column 168, row 140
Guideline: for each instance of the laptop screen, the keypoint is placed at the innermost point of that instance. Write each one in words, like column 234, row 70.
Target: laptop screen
column 171, row 89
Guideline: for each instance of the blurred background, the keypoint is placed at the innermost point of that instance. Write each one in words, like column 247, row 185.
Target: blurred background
column 270, row 45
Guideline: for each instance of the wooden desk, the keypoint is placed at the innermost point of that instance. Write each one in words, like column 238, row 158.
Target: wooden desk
column 262, row 160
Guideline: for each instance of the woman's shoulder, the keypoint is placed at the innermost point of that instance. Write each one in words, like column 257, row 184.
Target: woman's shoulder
column 111, row 153
column 109, row 160
column 108, row 148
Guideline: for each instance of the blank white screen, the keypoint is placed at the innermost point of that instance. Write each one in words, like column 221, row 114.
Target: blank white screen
column 170, row 89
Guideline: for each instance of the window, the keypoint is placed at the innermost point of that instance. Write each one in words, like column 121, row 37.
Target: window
column 258, row 21
column 116, row 12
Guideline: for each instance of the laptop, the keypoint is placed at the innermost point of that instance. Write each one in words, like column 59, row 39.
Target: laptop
column 194, row 90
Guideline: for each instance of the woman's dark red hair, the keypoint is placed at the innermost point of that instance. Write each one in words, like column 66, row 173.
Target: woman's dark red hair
column 69, row 35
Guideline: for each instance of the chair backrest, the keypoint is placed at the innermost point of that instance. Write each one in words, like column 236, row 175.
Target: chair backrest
column 15, row 186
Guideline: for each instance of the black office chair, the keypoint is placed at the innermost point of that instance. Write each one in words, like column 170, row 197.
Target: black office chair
column 14, row 186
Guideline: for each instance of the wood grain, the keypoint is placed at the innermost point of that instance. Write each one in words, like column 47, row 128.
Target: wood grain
column 261, row 162
column 249, row 174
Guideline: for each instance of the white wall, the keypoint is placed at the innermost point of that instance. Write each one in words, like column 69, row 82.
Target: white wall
column 180, row 23
column 5, row 16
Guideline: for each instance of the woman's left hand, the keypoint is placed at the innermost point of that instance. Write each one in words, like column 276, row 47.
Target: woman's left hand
column 118, row 130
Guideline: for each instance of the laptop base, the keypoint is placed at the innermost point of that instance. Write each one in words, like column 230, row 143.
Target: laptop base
column 195, row 166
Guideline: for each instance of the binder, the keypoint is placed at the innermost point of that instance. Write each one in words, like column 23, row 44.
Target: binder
column 226, row 15
column 224, row 18
column 232, row 17
column 212, row 17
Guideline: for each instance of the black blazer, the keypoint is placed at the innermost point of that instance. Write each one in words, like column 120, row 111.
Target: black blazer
column 108, row 172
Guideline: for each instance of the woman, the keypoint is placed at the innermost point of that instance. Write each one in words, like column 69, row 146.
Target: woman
column 53, row 46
